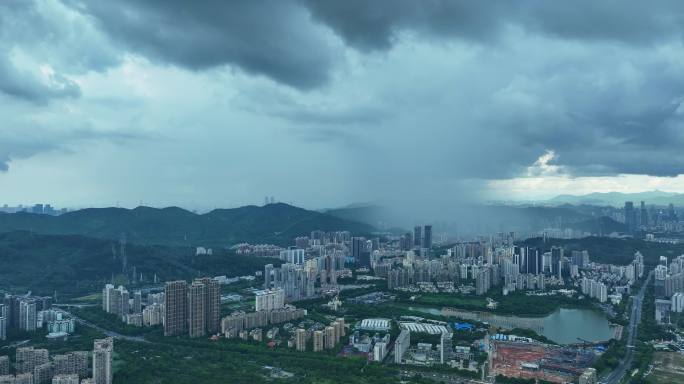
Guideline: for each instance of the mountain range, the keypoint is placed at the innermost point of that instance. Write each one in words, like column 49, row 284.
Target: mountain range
column 479, row 219
column 274, row 223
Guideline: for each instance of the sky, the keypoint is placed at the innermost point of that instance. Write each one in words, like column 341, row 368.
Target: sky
column 323, row 103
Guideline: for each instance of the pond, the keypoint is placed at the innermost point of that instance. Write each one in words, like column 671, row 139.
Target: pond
column 564, row 325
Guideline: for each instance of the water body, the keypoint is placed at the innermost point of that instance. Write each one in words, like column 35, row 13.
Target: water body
column 564, row 325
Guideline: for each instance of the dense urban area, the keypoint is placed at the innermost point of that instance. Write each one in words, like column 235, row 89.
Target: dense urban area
column 553, row 305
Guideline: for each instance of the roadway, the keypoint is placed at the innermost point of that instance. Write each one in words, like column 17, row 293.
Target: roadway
column 107, row 332
column 635, row 318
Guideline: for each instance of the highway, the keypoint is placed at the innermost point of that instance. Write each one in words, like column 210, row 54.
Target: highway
column 634, row 319
column 137, row 339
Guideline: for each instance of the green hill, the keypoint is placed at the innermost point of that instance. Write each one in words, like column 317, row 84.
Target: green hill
column 73, row 264
column 274, row 223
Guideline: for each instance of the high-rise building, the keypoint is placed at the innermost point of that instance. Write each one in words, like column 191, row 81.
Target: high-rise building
column 417, row 236
column 42, row 374
column 338, row 331
column 23, row 378
column 3, row 328
column 630, row 216
column 644, row 215
column 268, row 276
column 445, row 347
column 4, row 321
column 340, row 321
column 28, row 358
column 153, row 314
column 72, row 363
column 317, row 236
column 11, row 304
column 27, row 315
column 300, row 339
column 401, row 345
column 212, row 304
column 297, row 281
column 269, row 300
column 329, row 337
column 293, row 256
column 4, row 365
column 318, row 341
column 137, row 302
column 556, row 261
column 533, row 261
column 196, row 312
column 406, row 242
column 427, row 236
column 358, row 246
column 102, row 361
column 107, row 293
column 176, row 308
column 379, row 351
column 116, row 300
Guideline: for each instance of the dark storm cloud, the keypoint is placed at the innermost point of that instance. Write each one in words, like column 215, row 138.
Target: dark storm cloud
column 271, row 38
column 636, row 127
column 371, row 25
column 438, row 93
column 49, row 34
column 28, row 87
column 21, row 142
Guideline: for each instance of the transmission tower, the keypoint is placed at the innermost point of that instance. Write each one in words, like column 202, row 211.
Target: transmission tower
column 122, row 244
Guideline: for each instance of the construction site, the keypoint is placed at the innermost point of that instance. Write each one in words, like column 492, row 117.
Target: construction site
column 558, row 364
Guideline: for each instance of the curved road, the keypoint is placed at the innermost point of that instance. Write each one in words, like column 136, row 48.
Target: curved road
column 138, row 339
column 634, row 320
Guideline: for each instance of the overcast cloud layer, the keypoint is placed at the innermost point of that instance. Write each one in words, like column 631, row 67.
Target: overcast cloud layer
column 323, row 103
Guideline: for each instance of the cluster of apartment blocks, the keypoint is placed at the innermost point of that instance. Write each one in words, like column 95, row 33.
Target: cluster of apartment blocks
column 514, row 267
column 240, row 321
column 130, row 308
column 271, row 309
column 595, row 289
column 318, row 240
column 192, row 309
column 669, row 287
column 669, row 279
column 417, row 271
column 322, row 339
column 27, row 313
column 34, row 366
column 298, row 276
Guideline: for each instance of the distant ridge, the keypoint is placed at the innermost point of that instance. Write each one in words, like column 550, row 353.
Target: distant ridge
column 490, row 218
column 273, row 223
column 619, row 198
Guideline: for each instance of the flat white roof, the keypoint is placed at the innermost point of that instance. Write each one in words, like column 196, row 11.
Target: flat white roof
column 375, row 323
column 431, row 329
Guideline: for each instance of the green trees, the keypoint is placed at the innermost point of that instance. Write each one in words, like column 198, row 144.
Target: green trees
column 77, row 265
